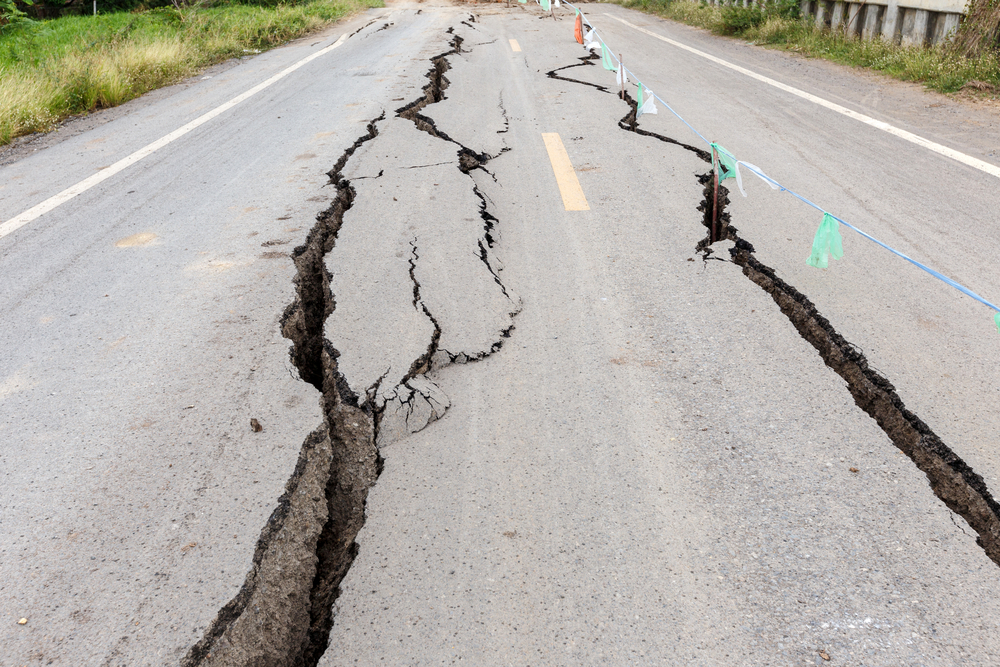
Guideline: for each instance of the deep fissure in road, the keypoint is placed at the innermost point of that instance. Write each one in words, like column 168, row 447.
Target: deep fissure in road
column 283, row 613
column 953, row 481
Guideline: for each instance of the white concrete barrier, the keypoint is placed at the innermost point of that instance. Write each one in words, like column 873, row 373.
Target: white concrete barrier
column 909, row 22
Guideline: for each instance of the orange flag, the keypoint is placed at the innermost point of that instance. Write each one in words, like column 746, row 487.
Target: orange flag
column 578, row 31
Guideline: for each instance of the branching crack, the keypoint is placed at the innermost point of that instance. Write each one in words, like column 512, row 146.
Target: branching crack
column 283, row 614
column 433, row 92
column 468, row 160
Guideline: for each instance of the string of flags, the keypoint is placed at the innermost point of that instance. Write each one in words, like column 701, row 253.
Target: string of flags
column 827, row 242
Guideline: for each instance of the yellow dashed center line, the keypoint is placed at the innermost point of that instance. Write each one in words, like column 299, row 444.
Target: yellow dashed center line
column 569, row 186
column 514, row 45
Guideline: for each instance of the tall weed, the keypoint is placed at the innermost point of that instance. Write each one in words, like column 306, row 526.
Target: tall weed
column 53, row 69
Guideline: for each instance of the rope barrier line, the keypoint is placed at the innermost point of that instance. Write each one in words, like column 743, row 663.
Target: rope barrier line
column 943, row 278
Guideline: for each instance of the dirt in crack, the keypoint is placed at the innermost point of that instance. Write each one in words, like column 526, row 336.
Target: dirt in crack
column 283, row 613
column 961, row 489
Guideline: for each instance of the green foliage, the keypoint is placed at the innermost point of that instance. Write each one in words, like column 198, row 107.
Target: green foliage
column 737, row 19
column 10, row 13
column 75, row 64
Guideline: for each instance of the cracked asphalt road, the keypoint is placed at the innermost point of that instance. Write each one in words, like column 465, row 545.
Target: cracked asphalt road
column 594, row 446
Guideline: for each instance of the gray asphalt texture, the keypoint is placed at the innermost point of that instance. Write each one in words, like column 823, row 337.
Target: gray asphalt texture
column 650, row 467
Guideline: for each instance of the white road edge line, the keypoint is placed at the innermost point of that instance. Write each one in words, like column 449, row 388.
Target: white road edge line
column 35, row 212
column 975, row 163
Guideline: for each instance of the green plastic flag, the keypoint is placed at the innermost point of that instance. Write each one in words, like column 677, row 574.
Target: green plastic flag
column 727, row 167
column 639, row 102
column 606, row 59
column 996, row 318
column 546, row 5
column 827, row 243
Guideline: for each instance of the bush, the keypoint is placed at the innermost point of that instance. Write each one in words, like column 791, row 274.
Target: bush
column 11, row 13
column 736, row 19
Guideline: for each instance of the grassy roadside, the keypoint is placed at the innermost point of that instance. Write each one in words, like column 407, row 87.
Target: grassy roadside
column 53, row 69
column 935, row 67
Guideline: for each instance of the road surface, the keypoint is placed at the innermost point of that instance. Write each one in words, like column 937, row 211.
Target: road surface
column 512, row 408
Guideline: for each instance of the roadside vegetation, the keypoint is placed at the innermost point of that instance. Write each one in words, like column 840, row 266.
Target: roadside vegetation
column 965, row 62
column 54, row 68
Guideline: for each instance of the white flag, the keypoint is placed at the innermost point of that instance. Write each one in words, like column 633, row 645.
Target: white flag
column 756, row 171
column 621, row 75
column 648, row 106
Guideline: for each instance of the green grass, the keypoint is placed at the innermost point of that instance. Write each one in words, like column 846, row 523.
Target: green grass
column 50, row 70
column 935, row 67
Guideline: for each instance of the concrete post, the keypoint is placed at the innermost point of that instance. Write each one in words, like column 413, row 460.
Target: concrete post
column 950, row 26
column 871, row 26
column 915, row 28
column 838, row 14
column 892, row 15
column 854, row 19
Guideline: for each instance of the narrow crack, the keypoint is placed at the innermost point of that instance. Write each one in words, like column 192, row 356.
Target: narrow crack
column 503, row 112
column 484, row 258
column 489, row 220
column 421, row 364
column 953, row 481
column 362, row 28
column 585, row 61
column 424, row 166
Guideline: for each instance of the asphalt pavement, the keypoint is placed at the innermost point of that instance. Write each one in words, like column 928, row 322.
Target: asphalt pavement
column 594, row 441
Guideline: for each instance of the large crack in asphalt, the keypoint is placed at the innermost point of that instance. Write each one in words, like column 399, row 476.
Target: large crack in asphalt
column 952, row 480
column 283, row 613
